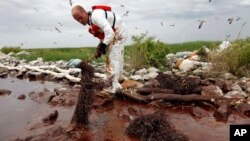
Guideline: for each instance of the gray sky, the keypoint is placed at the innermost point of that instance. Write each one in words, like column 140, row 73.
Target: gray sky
column 32, row 23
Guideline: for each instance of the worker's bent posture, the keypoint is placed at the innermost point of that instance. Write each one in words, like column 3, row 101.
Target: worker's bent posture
column 109, row 28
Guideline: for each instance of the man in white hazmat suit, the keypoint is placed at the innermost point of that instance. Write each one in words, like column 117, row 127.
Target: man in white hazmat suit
column 109, row 28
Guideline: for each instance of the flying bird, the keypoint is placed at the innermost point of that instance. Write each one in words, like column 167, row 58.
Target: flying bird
column 238, row 18
column 209, row 0
column 54, row 42
column 216, row 18
column 230, row 20
column 27, row 26
column 57, row 30
column 35, row 9
column 70, row 2
column 122, row 5
column 126, row 14
column 172, row 24
column 201, row 23
column 161, row 23
column 60, row 24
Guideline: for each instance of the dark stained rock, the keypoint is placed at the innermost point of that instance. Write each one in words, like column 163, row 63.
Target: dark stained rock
column 44, row 96
column 228, row 86
column 65, row 97
column 4, row 92
column 243, row 109
column 223, row 112
column 21, row 97
column 102, row 102
column 220, row 83
column 20, row 74
column 211, row 90
column 206, row 82
column 4, row 75
column 235, row 94
column 198, row 112
column 35, row 76
column 51, row 118
column 13, row 73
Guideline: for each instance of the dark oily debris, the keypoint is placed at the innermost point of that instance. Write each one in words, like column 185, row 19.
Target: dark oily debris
column 85, row 98
column 4, row 92
column 154, row 127
column 180, row 85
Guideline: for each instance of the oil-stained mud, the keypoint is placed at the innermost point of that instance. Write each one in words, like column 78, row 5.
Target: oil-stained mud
column 111, row 119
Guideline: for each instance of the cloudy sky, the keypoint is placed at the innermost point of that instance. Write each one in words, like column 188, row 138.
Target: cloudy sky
column 34, row 23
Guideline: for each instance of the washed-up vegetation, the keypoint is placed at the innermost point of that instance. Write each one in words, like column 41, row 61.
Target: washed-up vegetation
column 235, row 59
column 191, row 46
column 8, row 49
column 145, row 52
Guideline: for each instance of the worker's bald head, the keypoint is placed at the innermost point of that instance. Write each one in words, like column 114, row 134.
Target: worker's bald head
column 77, row 8
column 79, row 14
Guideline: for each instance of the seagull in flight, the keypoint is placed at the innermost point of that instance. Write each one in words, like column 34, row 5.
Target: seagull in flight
column 238, row 18
column 70, row 2
column 57, row 30
column 172, row 24
column 60, row 24
column 35, row 9
column 201, row 23
column 126, row 14
column 230, row 20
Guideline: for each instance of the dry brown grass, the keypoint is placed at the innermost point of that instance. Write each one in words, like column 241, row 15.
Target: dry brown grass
column 235, row 59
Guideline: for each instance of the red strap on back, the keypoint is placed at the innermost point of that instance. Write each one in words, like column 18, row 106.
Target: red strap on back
column 103, row 7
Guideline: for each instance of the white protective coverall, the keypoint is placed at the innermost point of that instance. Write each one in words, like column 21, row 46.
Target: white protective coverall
column 115, row 42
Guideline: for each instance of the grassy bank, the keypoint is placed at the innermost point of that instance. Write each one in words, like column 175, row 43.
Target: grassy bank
column 54, row 54
column 191, row 46
column 59, row 53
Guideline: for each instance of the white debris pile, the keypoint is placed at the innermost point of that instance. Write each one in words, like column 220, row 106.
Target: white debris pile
column 187, row 61
column 224, row 45
column 38, row 68
column 145, row 74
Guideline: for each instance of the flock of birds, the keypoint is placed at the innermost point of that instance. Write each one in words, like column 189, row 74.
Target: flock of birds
column 201, row 22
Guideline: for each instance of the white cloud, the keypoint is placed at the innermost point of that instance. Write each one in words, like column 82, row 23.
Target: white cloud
column 245, row 2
